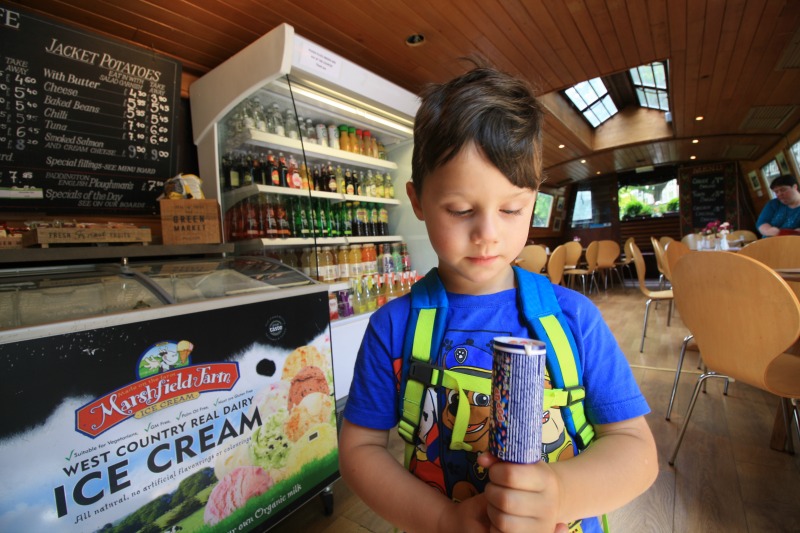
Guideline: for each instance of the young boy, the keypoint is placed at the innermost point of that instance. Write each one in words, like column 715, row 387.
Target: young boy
column 476, row 169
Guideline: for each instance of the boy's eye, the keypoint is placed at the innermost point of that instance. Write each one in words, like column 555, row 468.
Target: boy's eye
column 512, row 211
column 459, row 212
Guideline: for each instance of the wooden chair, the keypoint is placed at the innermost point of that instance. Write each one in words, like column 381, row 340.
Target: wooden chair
column 664, row 241
column 555, row 265
column 533, row 258
column 589, row 271
column 721, row 310
column 658, row 250
column 775, row 252
column 742, row 236
column 674, row 252
column 652, row 296
column 625, row 264
column 607, row 255
column 574, row 251
column 690, row 240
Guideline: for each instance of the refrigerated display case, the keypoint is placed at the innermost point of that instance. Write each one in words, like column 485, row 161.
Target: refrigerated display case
column 231, row 125
column 195, row 395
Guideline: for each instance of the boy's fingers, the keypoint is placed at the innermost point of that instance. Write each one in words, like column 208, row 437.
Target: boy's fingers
column 533, row 477
column 486, row 459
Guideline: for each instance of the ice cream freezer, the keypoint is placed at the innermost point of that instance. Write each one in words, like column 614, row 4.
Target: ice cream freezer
column 195, row 395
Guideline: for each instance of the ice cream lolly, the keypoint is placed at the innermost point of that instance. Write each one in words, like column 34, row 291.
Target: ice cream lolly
column 515, row 432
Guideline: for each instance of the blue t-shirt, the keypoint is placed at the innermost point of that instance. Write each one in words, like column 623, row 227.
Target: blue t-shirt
column 780, row 215
column 612, row 394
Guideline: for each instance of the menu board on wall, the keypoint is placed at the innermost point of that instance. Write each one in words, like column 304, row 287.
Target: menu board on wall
column 87, row 124
column 707, row 193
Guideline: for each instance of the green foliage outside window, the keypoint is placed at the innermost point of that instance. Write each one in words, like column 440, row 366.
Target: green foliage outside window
column 542, row 210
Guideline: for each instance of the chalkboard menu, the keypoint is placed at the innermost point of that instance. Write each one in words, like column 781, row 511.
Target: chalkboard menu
column 87, row 124
column 707, row 193
column 708, row 199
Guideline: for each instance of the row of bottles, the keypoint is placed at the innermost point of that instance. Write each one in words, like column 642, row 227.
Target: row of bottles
column 252, row 115
column 243, row 168
column 370, row 292
column 274, row 216
column 331, row 264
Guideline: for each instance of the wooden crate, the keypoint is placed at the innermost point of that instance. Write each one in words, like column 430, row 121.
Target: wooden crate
column 190, row 222
column 11, row 242
column 45, row 237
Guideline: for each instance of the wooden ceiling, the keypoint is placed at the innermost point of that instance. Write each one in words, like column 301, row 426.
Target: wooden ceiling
column 736, row 62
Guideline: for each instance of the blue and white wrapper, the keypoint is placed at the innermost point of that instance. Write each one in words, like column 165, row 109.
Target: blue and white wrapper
column 515, row 431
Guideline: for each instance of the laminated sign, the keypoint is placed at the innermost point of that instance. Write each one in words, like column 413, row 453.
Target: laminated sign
column 169, row 424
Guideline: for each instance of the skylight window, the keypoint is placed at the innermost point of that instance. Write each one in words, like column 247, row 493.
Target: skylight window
column 592, row 100
column 650, row 82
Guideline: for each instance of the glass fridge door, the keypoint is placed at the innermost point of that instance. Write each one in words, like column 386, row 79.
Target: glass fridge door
column 193, row 280
column 29, row 297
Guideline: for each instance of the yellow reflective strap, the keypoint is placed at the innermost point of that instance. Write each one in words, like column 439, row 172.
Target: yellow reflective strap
column 463, row 383
column 423, row 335
column 554, row 398
column 412, row 408
column 558, row 338
column 569, row 373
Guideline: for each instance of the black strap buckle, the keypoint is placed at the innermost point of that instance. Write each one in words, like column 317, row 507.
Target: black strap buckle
column 423, row 373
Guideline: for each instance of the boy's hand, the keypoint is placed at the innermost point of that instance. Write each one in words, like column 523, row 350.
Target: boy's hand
column 522, row 497
column 467, row 516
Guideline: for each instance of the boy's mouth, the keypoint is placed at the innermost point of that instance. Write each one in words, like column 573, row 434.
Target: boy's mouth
column 483, row 258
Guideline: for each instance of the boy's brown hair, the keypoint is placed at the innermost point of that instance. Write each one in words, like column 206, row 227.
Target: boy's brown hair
column 495, row 110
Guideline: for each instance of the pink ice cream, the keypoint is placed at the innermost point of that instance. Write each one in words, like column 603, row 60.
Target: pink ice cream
column 233, row 491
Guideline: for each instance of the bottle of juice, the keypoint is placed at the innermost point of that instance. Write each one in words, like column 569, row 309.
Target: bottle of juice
column 344, row 138
column 343, row 260
column 380, row 191
column 366, row 143
column 305, row 266
column 374, row 148
column 313, row 264
column 351, row 131
column 381, row 295
column 389, row 289
column 370, row 291
column 327, row 270
column 357, row 300
column 385, row 260
column 405, row 259
column 354, row 260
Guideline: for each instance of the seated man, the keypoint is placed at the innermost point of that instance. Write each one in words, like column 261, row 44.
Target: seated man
column 781, row 215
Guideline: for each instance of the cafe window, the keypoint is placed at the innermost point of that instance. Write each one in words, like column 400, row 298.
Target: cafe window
column 542, row 210
column 591, row 208
column 648, row 200
column 591, row 98
column 650, row 82
column 770, row 171
column 795, row 150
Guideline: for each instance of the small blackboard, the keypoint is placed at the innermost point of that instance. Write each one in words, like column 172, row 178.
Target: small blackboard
column 87, row 124
column 707, row 193
column 708, row 199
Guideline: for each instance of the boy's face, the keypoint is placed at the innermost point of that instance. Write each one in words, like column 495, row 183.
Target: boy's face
column 477, row 222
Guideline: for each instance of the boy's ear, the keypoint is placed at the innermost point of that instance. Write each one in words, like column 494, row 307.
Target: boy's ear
column 412, row 195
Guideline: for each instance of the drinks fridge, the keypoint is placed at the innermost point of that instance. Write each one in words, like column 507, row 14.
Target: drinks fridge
column 309, row 155
column 192, row 395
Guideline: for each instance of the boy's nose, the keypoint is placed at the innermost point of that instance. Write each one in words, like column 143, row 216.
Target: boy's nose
column 485, row 230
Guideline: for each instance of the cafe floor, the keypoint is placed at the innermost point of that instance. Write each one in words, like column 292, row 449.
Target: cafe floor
column 726, row 478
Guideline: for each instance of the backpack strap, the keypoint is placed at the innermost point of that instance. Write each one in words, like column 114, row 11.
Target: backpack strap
column 546, row 322
column 423, row 336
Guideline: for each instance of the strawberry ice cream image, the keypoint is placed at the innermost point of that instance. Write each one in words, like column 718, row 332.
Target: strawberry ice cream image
column 233, row 491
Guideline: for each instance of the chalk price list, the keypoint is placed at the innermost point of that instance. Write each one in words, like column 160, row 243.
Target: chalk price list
column 70, row 121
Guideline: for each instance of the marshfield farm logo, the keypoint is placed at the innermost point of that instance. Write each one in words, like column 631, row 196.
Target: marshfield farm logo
column 155, row 391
